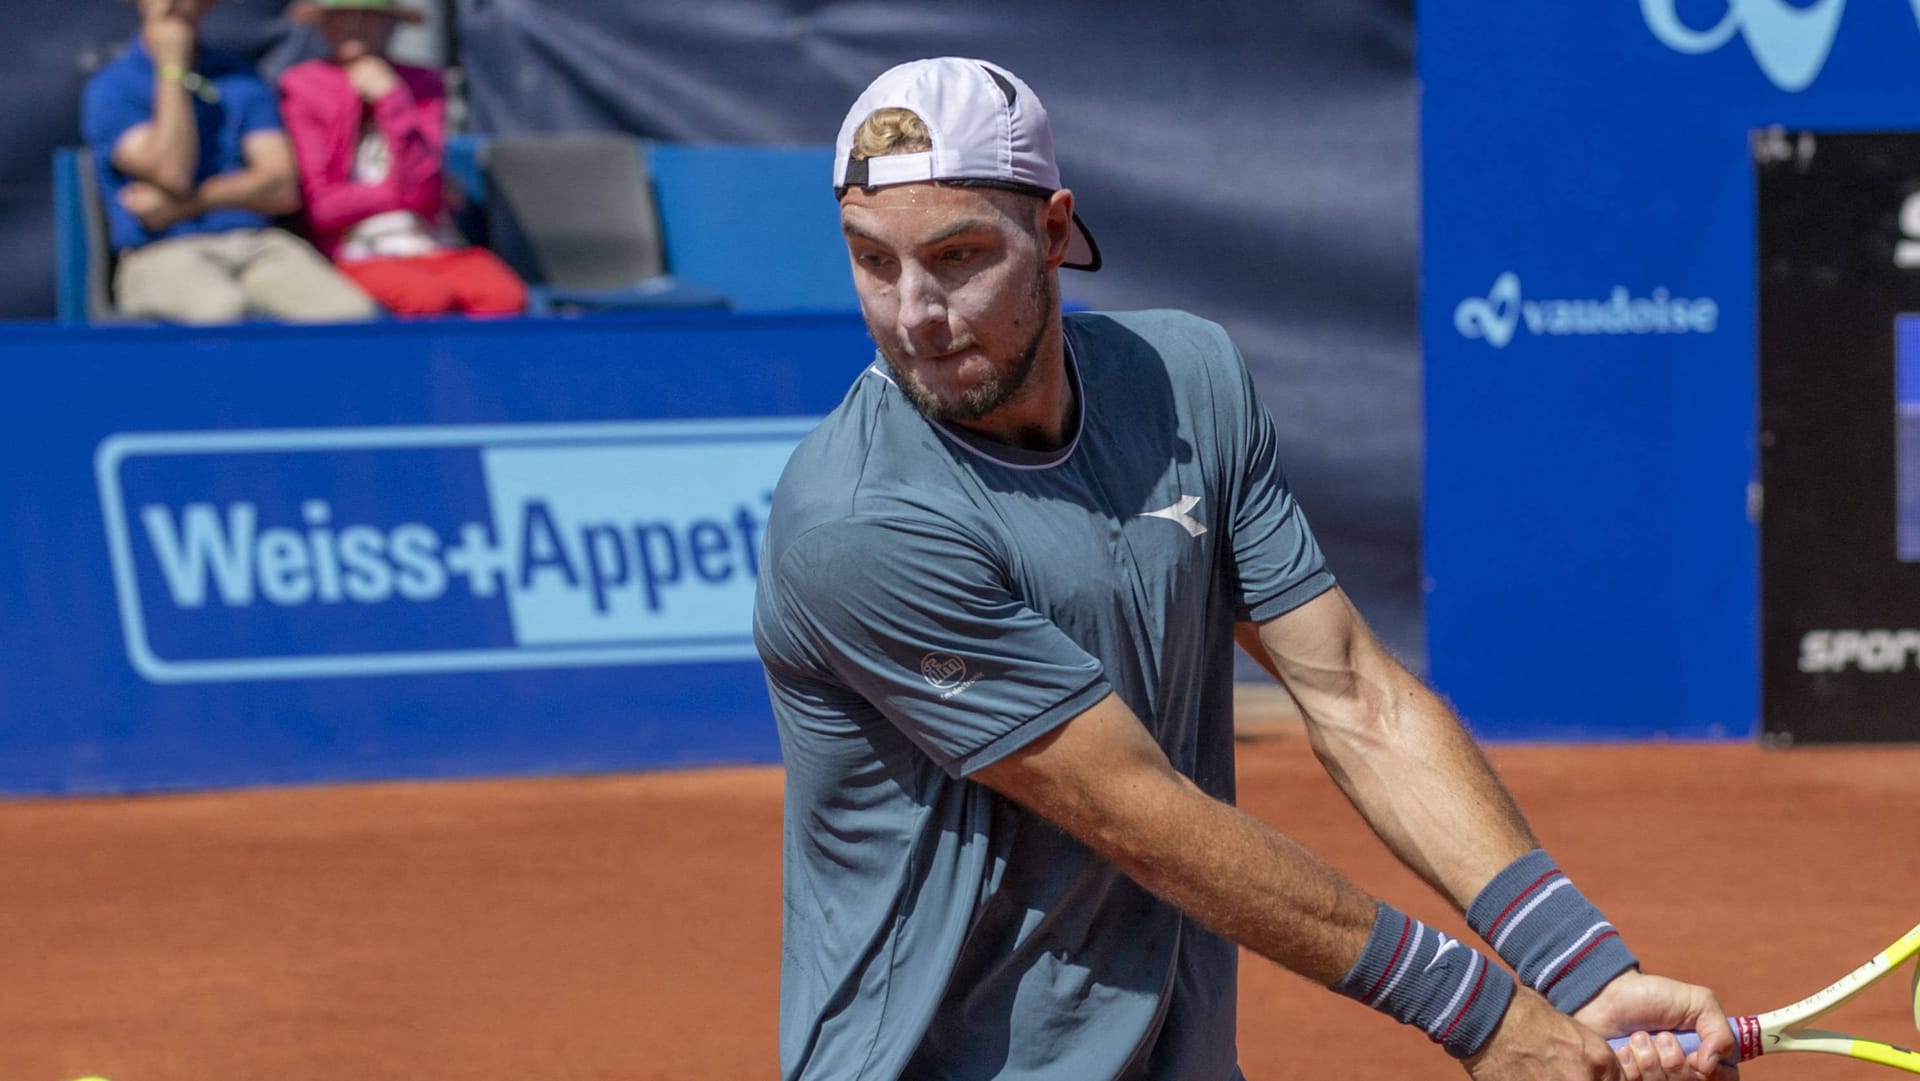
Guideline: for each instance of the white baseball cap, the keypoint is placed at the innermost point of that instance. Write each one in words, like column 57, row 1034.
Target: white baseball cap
column 987, row 127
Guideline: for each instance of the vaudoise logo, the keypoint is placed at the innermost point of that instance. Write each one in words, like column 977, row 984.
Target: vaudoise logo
column 1790, row 42
column 1505, row 311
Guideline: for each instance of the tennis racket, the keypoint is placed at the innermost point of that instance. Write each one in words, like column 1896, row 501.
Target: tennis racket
column 1780, row 1030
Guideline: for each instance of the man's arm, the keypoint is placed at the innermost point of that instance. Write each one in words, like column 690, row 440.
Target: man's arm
column 1103, row 779
column 268, row 185
column 1393, row 747
column 164, row 151
column 1418, row 778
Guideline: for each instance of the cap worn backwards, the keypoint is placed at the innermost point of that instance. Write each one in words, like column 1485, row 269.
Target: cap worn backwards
column 986, row 125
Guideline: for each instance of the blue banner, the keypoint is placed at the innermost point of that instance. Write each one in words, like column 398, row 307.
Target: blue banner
column 1588, row 315
column 407, row 550
column 438, row 548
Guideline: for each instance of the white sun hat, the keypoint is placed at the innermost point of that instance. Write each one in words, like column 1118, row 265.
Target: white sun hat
column 987, row 128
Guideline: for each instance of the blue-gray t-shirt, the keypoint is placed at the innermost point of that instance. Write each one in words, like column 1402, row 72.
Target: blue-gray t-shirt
column 929, row 603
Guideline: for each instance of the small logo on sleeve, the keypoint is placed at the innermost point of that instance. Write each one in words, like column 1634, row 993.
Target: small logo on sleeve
column 942, row 670
column 947, row 674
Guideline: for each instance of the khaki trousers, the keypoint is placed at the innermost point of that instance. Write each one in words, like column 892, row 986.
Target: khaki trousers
column 230, row 276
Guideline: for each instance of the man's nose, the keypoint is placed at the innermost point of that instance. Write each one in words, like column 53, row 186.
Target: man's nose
column 923, row 303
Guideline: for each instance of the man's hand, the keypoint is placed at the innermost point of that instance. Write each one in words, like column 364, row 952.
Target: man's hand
column 1638, row 1003
column 167, row 32
column 372, row 77
column 1536, row 1042
column 155, row 207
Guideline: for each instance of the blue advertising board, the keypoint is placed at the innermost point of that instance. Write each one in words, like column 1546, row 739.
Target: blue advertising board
column 1588, row 318
column 461, row 548
column 274, row 554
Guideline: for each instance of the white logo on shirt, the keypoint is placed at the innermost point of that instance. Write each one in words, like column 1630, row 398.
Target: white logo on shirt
column 942, row 669
column 1177, row 513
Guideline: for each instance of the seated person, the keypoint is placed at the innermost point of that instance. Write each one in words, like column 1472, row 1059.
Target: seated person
column 193, row 165
column 368, row 135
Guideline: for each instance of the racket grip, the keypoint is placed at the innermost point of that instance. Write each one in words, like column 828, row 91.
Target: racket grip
column 1689, row 1043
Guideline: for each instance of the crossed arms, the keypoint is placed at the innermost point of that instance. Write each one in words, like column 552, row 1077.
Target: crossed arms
column 265, row 185
column 163, row 157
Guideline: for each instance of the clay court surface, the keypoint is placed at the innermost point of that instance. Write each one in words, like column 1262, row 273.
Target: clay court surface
column 627, row 927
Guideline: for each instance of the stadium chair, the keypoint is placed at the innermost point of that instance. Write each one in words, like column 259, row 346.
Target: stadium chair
column 461, row 160
column 758, row 223
column 83, row 260
column 575, row 216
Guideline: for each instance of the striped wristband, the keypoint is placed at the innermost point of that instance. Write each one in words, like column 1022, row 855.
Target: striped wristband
column 1424, row 978
column 1556, row 941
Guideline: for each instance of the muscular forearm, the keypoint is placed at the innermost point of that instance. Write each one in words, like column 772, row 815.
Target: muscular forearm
column 1104, row 780
column 1419, row 780
column 1393, row 747
column 1242, row 879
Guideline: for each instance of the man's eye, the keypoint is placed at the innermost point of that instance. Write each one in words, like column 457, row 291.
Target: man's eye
column 958, row 255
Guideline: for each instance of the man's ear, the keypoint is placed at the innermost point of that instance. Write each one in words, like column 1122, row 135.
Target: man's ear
column 1056, row 224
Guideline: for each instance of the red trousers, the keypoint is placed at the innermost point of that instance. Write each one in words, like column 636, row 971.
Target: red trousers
column 470, row 280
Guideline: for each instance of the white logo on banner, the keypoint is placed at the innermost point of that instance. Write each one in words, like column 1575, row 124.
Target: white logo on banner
column 1906, row 253
column 1496, row 317
column 624, row 542
column 1790, row 43
column 1493, row 318
column 1883, row 650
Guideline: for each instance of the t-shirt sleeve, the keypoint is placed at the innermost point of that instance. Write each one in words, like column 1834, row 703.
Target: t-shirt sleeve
column 1277, row 564
column 109, row 109
column 255, row 107
column 919, row 621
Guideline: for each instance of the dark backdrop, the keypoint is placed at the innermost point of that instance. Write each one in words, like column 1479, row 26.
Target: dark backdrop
column 1248, row 161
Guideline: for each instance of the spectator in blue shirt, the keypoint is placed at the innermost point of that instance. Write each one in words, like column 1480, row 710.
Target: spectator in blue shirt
column 193, row 167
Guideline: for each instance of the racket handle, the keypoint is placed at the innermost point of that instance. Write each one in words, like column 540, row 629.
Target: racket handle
column 1689, row 1043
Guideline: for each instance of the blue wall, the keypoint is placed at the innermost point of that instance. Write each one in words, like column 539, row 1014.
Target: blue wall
column 406, row 550
column 1590, row 564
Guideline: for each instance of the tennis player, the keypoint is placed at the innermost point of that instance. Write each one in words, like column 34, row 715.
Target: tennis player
column 1002, row 586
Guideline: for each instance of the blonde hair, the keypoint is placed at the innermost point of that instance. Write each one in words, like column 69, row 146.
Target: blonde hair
column 891, row 131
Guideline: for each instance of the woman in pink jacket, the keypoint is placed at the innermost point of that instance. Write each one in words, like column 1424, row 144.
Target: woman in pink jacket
column 368, row 135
